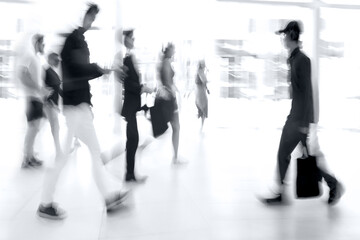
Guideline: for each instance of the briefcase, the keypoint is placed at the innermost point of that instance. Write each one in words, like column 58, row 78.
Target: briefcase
column 308, row 179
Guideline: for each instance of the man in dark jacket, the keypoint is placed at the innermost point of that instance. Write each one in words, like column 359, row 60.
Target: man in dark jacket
column 132, row 104
column 301, row 114
column 77, row 71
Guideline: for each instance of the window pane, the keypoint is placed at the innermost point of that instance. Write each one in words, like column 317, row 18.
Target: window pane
column 346, row 2
column 285, row 1
column 339, row 67
column 290, row 1
column 253, row 59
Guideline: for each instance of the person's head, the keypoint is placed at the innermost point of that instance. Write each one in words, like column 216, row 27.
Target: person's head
column 90, row 16
column 38, row 43
column 291, row 34
column 202, row 64
column 169, row 50
column 129, row 38
column 53, row 59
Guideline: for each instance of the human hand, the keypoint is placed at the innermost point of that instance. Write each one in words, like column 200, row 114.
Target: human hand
column 46, row 92
column 120, row 73
column 146, row 89
column 208, row 91
column 304, row 130
column 163, row 93
column 105, row 70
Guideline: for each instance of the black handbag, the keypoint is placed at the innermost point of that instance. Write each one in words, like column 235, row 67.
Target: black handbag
column 159, row 122
column 162, row 112
column 308, row 179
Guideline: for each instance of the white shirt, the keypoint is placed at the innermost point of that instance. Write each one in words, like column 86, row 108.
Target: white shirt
column 31, row 62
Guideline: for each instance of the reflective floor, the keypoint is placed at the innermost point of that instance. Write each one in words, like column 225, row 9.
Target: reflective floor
column 214, row 196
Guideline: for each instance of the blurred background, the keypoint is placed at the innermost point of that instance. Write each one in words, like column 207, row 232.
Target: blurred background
column 245, row 59
column 232, row 160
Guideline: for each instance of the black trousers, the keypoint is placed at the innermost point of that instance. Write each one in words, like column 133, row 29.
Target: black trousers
column 132, row 143
column 290, row 138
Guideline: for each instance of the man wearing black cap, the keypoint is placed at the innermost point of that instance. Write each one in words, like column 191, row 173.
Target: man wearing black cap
column 301, row 114
column 132, row 104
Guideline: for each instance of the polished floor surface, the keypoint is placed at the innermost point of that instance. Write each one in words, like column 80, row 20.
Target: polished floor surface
column 214, row 196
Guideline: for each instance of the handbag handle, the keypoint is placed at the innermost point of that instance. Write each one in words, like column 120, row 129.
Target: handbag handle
column 305, row 147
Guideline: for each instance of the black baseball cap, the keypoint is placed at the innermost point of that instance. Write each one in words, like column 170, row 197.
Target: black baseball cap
column 128, row 32
column 292, row 25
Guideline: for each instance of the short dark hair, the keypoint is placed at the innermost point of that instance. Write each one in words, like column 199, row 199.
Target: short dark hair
column 37, row 38
column 93, row 9
column 128, row 33
column 53, row 55
column 168, row 47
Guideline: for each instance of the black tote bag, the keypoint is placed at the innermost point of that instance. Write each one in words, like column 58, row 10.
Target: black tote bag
column 161, row 113
column 308, row 179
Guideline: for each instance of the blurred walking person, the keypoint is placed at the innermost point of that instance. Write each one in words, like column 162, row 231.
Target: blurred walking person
column 132, row 104
column 77, row 71
column 168, row 90
column 30, row 74
column 51, row 106
column 201, row 91
column 301, row 115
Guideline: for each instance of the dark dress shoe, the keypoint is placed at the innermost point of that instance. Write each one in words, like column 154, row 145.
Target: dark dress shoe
column 276, row 200
column 133, row 179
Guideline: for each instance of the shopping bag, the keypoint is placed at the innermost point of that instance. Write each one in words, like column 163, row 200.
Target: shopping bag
column 308, row 179
column 159, row 121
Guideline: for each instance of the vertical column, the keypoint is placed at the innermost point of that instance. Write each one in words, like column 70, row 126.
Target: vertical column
column 118, row 60
column 118, row 19
column 316, row 59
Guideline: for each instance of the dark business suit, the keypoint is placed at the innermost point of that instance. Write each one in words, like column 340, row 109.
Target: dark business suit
column 132, row 104
column 301, row 114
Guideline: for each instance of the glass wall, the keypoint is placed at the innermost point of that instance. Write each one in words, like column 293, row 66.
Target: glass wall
column 339, row 67
column 245, row 59
column 342, row 2
column 11, row 25
column 253, row 59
